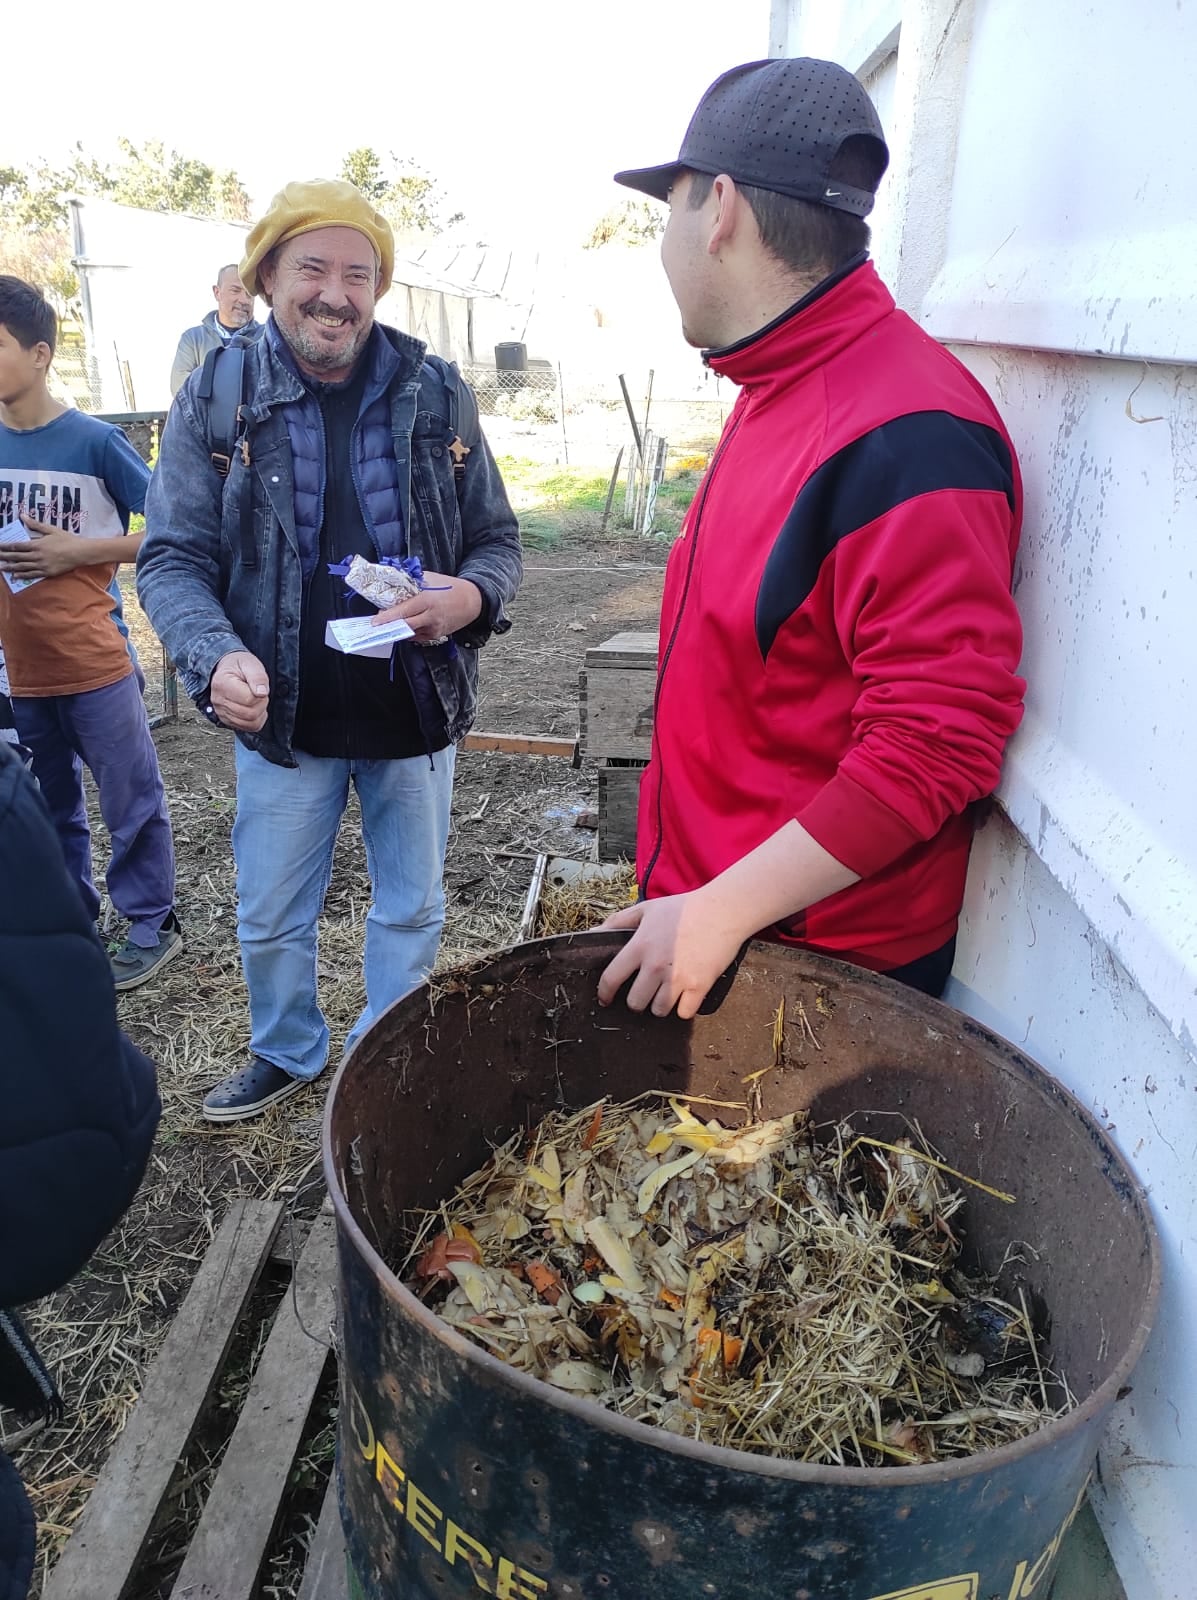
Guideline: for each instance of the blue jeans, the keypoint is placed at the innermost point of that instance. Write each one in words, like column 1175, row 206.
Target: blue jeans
column 283, row 838
column 106, row 730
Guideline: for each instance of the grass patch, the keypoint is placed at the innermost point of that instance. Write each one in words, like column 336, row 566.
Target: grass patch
column 554, row 502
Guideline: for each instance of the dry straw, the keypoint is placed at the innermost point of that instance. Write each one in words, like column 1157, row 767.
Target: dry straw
column 758, row 1287
column 583, row 902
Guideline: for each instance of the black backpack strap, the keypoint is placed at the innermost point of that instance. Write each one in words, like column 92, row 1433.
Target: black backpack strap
column 465, row 427
column 222, row 385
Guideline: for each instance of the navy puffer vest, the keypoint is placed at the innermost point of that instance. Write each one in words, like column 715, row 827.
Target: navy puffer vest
column 375, row 470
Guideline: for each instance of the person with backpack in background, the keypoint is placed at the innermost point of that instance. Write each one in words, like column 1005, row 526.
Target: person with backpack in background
column 69, row 484
column 233, row 318
column 350, row 440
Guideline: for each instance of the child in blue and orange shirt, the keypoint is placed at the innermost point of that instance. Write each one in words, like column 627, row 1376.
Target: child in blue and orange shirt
column 68, row 484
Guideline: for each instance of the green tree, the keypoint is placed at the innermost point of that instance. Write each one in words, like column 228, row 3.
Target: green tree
column 13, row 186
column 363, row 168
column 408, row 197
column 157, row 179
column 149, row 176
column 35, row 196
column 635, row 222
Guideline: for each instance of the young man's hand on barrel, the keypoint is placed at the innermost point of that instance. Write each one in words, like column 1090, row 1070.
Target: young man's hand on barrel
column 675, row 955
column 682, row 943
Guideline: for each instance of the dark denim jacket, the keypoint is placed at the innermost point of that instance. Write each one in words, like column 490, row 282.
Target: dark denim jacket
column 204, row 603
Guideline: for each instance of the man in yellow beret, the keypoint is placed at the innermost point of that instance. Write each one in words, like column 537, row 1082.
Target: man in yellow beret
column 352, row 441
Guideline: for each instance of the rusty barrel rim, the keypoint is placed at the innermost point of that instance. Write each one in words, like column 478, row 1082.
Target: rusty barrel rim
column 1101, row 1400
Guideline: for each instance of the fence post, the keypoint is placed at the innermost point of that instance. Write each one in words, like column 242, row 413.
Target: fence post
column 611, row 491
column 629, row 495
column 660, row 452
column 561, row 398
column 650, row 445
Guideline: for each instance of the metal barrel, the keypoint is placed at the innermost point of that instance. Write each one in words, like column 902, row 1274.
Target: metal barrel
column 511, row 356
column 460, row 1476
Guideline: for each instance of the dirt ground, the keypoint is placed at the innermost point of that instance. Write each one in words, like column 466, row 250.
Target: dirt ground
column 100, row 1333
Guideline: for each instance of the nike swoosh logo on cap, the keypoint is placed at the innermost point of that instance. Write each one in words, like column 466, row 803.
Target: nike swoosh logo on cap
column 833, row 194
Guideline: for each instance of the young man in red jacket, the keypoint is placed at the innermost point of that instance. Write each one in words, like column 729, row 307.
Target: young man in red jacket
column 839, row 645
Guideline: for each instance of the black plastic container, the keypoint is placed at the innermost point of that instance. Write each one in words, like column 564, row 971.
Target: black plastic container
column 511, row 357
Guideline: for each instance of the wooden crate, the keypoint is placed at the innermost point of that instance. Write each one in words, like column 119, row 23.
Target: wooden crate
column 102, row 1558
column 618, row 800
column 616, row 688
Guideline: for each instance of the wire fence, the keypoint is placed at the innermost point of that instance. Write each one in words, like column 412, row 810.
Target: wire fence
column 556, row 414
column 553, row 413
column 74, row 375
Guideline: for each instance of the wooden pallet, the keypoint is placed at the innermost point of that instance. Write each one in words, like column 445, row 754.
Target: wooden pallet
column 102, row 1558
column 616, row 688
column 618, row 809
column 616, row 691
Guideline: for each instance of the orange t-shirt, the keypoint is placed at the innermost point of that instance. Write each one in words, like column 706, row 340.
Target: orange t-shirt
column 61, row 635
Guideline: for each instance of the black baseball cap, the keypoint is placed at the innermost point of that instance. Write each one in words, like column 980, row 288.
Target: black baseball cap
column 777, row 125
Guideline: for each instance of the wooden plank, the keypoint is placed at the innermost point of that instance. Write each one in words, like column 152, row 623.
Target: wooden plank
column 611, row 491
column 627, row 400
column 619, row 799
column 521, row 744
column 234, row 1529
column 325, row 1576
column 625, row 650
column 101, row 1556
column 616, row 712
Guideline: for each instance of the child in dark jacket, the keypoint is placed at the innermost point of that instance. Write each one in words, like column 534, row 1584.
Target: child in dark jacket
column 80, row 1110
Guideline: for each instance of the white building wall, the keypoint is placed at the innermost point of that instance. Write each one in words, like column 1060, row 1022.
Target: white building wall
column 145, row 277
column 1040, row 216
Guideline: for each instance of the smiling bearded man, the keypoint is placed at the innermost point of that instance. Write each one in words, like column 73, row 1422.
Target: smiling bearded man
column 326, row 329
column 349, row 437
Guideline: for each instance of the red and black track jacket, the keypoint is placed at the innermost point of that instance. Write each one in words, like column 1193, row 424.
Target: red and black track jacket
column 838, row 638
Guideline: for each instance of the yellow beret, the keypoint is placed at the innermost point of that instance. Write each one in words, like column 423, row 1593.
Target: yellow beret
column 316, row 203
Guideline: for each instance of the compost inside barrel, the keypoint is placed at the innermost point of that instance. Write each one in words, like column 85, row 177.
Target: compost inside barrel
column 766, row 1286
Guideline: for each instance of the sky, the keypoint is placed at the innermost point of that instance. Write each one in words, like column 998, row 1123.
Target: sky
column 521, row 109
